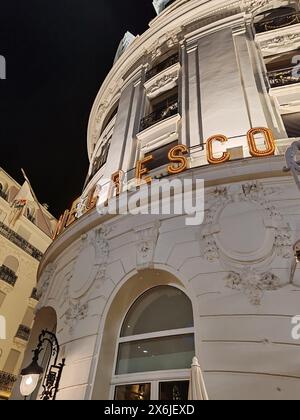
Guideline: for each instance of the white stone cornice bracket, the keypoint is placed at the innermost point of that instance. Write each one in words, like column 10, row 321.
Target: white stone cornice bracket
column 146, row 240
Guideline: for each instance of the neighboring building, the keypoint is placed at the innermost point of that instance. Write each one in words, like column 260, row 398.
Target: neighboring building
column 25, row 234
column 136, row 297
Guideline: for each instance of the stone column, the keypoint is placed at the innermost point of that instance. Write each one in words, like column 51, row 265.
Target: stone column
column 122, row 150
column 192, row 132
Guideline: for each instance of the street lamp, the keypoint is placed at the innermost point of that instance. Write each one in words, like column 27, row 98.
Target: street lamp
column 31, row 374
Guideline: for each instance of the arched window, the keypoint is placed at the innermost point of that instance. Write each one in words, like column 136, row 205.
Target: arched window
column 12, row 263
column 157, row 342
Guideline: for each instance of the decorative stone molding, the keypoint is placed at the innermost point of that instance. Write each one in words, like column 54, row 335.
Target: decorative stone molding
column 164, row 43
column 146, row 240
column 208, row 246
column 281, row 42
column 163, row 82
column 45, row 281
column 253, row 283
column 214, row 15
column 94, row 247
column 76, row 312
column 102, row 254
column 254, row 194
column 251, row 6
column 91, row 263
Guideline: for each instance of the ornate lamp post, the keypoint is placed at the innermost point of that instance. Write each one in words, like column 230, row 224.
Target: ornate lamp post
column 53, row 372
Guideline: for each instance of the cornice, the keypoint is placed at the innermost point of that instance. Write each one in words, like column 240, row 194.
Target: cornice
column 231, row 172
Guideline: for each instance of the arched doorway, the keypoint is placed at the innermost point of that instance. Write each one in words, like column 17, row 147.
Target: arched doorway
column 147, row 339
column 157, row 343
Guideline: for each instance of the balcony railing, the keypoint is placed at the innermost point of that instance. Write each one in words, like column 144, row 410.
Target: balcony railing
column 23, row 333
column 3, row 195
column 34, row 294
column 283, row 77
column 277, row 22
column 8, row 275
column 165, row 110
column 7, row 381
column 162, row 66
column 20, row 242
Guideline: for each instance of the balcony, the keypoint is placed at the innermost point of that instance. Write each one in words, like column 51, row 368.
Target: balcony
column 165, row 110
column 174, row 59
column 283, row 77
column 20, row 242
column 277, row 22
column 7, row 381
column 23, row 333
column 7, row 275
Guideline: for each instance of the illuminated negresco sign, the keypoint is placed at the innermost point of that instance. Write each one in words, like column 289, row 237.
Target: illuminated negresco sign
column 178, row 163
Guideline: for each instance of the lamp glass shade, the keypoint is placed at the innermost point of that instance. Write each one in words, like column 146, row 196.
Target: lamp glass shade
column 28, row 384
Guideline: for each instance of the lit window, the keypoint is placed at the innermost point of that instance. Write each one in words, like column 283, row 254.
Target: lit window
column 157, row 333
column 157, row 339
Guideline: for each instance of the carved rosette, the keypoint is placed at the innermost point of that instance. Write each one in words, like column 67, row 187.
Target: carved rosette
column 146, row 240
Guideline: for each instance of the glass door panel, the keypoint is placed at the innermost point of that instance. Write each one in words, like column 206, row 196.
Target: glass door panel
column 136, row 392
column 174, row 391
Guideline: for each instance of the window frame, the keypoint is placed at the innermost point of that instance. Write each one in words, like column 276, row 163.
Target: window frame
column 152, row 377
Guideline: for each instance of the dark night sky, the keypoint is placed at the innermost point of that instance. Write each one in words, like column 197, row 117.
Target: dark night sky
column 58, row 53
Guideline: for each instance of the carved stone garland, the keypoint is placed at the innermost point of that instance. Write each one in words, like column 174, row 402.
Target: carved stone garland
column 248, row 280
column 253, row 283
column 78, row 306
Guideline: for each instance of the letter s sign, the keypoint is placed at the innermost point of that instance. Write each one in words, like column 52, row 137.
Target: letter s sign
column 296, row 329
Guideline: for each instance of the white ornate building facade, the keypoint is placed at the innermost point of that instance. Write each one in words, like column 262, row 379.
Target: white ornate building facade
column 23, row 240
column 134, row 298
